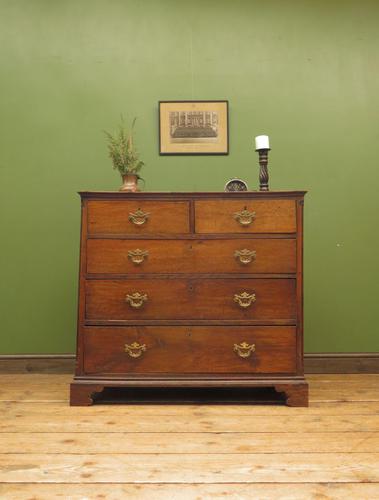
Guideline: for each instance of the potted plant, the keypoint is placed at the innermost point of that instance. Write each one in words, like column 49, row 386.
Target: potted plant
column 124, row 156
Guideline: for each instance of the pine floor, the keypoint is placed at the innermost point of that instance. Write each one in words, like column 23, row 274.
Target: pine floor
column 161, row 452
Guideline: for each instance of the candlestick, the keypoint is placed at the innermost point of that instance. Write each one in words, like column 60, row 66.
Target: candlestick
column 262, row 145
column 263, row 170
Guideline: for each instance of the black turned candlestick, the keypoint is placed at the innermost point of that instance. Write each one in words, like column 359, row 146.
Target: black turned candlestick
column 263, row 170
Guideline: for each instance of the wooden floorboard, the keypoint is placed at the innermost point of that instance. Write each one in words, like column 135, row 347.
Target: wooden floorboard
column 180, row 468
column 53, row 409
column 211, row 424
column 199, row 443
column 231, row 491
column 327, row 451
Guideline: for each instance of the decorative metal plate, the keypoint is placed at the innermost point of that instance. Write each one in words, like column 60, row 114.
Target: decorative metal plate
column 236, row 185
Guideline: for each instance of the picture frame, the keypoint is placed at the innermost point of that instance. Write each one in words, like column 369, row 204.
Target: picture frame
column 194, row 127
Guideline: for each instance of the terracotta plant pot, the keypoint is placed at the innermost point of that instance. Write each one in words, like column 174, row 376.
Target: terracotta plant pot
column 130, row 183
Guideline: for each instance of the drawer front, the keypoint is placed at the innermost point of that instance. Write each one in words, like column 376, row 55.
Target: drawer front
column 191, row 256
column 249, row 216
column 193, row 349
column 260, row 299
column 138, row 217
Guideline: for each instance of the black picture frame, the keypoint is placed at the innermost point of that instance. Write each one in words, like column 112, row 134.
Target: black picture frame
column 201, row 127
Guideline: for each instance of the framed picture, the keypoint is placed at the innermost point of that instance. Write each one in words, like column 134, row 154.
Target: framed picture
column 193, row 128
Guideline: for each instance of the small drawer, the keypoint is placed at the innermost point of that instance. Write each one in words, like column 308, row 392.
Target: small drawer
column 156, row 299
column 190, row 349
column 238, row 256
column 249, row 216
column 137, row 217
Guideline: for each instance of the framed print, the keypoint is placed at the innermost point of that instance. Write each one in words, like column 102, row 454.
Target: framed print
column 193, row 128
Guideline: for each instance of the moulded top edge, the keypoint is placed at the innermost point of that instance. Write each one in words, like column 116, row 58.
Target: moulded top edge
column 194, row 194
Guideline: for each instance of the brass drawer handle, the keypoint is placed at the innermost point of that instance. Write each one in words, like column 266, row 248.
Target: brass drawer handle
column 139, row 217
column 244, row 299
column 245, row 218
column 137, row 256
column 135, row 350
column 136, row 299
column 244, row 349
column 245, row 256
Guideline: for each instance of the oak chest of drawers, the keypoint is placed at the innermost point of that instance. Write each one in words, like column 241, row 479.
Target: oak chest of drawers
column 191, row 290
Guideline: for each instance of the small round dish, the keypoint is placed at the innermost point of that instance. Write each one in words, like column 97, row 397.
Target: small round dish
column 235, row 185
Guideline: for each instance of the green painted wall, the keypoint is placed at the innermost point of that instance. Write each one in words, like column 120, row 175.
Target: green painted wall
column 304, row 72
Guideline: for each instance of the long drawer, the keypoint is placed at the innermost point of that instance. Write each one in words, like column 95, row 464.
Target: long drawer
column 112, row 256
column 114, row 350
column 159, row 299
column 137, row 217
column 249, row 216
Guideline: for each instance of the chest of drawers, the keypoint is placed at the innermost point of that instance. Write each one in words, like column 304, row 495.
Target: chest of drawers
column 191, row 290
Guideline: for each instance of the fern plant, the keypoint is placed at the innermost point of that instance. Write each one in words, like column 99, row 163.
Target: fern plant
column 122, row 152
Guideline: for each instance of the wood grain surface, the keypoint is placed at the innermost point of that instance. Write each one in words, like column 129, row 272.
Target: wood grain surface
column 275, row 299
column 190, row 350
column 190, row 274
column 113, row 217
column 271, row 216
column 110, row 256
column 234, row 491
column 178, row 468
column 51, row 450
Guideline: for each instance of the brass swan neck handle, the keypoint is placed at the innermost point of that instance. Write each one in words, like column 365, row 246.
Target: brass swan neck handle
column 135, row 350
column 245, row 256
column 244, row 350
column 139, row 217
column 136, row 299
column 137, row 256
column 245, row 218
column 244, row 299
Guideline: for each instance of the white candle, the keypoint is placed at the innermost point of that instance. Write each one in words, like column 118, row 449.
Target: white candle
column 262, row 142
